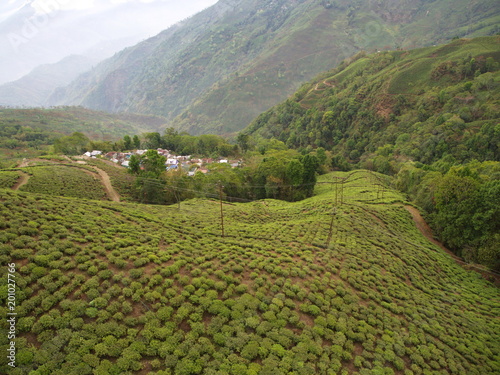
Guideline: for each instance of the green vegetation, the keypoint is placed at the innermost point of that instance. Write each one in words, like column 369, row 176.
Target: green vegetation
column 424, row 114
column 463, row 203
column 207, row 145
column 381, row 110
column 115, row 288
column 64, row 181
column 277, row 173
column 40, row 127
column 8, row 179
column 122, row 181
column 30, row 133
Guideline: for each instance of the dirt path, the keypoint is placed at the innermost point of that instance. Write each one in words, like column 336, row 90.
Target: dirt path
column 24, row 163
column 110, row 190
column 106, row 181
column 424, row 228
column 23, row 180
column 27, row 162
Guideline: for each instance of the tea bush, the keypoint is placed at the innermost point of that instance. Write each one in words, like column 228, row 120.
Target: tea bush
column 378, row 298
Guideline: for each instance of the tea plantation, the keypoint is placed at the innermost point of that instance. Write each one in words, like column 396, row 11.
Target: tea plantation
column 340, row 283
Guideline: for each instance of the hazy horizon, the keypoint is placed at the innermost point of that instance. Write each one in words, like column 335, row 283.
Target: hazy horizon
column 38, row 32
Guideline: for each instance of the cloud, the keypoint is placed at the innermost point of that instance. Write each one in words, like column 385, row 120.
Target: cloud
column 48, row 6
column 58, row 28
column 8, row 9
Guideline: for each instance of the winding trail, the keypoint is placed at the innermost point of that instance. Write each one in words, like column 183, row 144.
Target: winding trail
column 424, row 228
column 23, row 180
column 103, row 176
column 110, row 190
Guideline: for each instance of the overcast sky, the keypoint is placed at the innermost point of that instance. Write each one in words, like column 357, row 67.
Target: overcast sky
column 35, row 32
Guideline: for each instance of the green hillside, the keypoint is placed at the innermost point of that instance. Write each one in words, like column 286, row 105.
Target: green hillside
column 116, row 288
column 421, row 105
column 219, row 69
column 426, row 115
column 29, row 133
column 33, row 127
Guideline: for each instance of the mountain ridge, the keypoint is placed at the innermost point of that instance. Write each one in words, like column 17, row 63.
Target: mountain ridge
column 235, row 60
column 34, row 88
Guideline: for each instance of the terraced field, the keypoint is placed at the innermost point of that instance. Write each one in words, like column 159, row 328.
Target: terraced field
column 64, row 181
column 341, row 283
column 67, row 178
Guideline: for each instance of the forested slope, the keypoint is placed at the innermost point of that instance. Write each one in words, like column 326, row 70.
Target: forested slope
column 217, row 70
column 421, row 105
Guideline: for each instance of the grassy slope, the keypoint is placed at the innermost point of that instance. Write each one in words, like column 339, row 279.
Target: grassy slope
column 117, row 287
column 66, row 120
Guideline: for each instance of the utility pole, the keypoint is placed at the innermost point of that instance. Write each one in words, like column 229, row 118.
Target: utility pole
column 178, row 199
column 221, row 211
column 336, row 192
column 342, row 192
column 177, row 194
column 331, row 228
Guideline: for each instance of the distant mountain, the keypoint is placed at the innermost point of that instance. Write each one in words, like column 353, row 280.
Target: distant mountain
column 44, row 32
column 34, row 88
column 219, row 69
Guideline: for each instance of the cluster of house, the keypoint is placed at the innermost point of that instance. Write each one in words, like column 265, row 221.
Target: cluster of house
column 187, row 163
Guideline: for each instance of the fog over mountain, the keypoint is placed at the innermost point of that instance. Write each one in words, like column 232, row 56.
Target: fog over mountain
column 46, row 31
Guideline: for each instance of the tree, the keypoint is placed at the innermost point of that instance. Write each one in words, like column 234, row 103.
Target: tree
column 243, row 141
column 311, row 165
column 134, row 166
column 294, row 175
column 171, row 139
column 153, row 163
column 74, row 144
column 127, row 142
column 153, row 140
column 136, row 142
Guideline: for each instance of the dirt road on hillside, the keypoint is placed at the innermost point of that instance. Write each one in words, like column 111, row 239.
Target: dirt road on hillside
column 424, row 228
column 23, row 180
column 110, row 190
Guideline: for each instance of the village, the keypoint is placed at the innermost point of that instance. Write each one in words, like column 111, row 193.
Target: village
column 187, row 163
